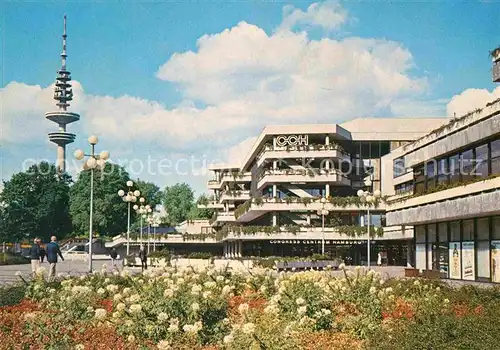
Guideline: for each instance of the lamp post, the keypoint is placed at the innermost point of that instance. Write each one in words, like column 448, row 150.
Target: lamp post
column 323, row 212
column 369, row 198
column 156, row 223
column 94, row 161
column 129, row 197
column 147, row 216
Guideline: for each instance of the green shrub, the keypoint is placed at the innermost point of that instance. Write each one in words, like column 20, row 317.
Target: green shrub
column 12, row 295
column 13, row 259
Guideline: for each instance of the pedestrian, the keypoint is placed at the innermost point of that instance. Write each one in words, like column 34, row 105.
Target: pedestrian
column 113, row 256
column 53, row 251
column 144, row 258
column 42, row 251
column 379, row 259
column 34, row 254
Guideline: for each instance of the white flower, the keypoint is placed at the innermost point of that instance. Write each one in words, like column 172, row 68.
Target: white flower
column 164, row 345
column 117, row 297
column 225, row 321
column 243, row 308
column 90, row 309
column 300, row 301
column 446, row 301
column 135, row 308
column 373, row 290
column 134, row 298
column 168, row 293
column 271, row 309
column 326, row 312
column 342, row 266
column 248, row 328
column 438, row 289
column 80, row 347
column 226, row 290
column 219, row 278
column 120, row 307
column 209, row 284
column 207, row 294
column 100, row 314
column 162, row 317
column 116, row 314
column 195, row 307
column 302, row 310
column 101, row 291
column 228, row 339
column 18, row 273
column 131, row 338
column 173, row 328
column 416, row 283
column 388, row 290
column 196, row 289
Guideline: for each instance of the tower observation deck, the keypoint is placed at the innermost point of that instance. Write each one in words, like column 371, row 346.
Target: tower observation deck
column 63, row 94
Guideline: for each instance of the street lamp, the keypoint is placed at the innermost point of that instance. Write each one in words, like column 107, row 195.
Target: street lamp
column 156, row 223
column 323, row 212
column 141, row 211
column 95, row 161
column 129, row 197
column 148, row 219
column 369, row 198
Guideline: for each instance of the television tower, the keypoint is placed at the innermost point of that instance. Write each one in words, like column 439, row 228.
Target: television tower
column 62, row 94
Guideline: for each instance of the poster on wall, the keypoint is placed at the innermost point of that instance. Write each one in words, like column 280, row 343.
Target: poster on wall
column 495, row 261
column 468, row 265
column 455, row 263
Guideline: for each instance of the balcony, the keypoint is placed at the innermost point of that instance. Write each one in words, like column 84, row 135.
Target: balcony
column 250, row 211
column 478, row 198
column 231, row 196
column 332, row 151
column 302, row 176
column 211, row 205
column 496, row 70
column 233, row 177
column 222, row 217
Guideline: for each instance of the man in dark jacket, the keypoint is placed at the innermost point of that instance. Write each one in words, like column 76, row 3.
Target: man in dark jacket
column 53, row 251
column 42, row 251
column 113, row 256
column 34, row 254
column 144, row 258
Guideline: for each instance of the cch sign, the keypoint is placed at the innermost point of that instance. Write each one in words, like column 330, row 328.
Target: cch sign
column 291, row 140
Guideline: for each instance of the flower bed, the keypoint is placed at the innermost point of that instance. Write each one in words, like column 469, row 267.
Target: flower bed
column 169, row 308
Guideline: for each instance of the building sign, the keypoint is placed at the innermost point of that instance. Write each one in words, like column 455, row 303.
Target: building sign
column 468, row 266
column 455, row 263
column 291, row 140
column 495, row 261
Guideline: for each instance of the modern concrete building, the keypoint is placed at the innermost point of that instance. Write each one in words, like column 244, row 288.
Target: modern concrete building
column 294, row 194
column 62, row 94
column 447, row 186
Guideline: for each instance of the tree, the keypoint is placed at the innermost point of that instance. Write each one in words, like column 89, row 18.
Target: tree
column 35, row 204
column 110, row 211
column 200, row 213
column 178, row 201
column 149, row 191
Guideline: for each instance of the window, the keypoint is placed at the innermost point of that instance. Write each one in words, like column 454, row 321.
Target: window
column 404, row 187
column 454, row 169
column 431, row 233
column 495, row 157
column 430, row 172
column 481, row 163
column 496, row 228
column 419, row 180
column 468, row 230
column 455, row 231
column 467, row 165
column 483, row 259
column 442, row 171
column 399, row 167
column 443, row 232
column 420, row 234
column 483, row 229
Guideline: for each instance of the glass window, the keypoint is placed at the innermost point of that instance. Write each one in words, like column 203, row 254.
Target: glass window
column 443, row 232
column 429, row 168
column 419, row 174
column 443, row 258
column 455, row 231
column 399, row 167
column 482, row 161
column 496, row 228
column 419, row 188
column 483, row 229
column 468, row 230
column 420, row 256
column 420, row 234
column 467, row 165
column 454, row 169
column 442, row 171
column 495, row 148
column 431, row 233
column 483, row 259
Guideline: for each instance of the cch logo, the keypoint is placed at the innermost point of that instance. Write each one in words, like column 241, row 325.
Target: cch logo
column 291, row 140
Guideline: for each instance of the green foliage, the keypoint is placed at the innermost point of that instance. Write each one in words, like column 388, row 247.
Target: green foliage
column 178, row 201
column 149, row 191
column 12, row 259
column 35, row 204
column 110, row 212
column 200, row 213
column 12, row 295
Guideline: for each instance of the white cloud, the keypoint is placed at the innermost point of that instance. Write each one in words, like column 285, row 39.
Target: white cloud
column 470, row 100
column 329, row 15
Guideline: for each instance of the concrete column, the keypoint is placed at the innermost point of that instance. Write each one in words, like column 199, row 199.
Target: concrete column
column 275, row 164
column 275, row 219
column 308, row 218
column 409, row 253
column 238, row 250
column 274, row 141
column 327, row 190
column 327, row 140
column 61, row 158
column 275, row 191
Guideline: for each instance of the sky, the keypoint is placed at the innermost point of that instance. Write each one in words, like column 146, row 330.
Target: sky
column 169, row 87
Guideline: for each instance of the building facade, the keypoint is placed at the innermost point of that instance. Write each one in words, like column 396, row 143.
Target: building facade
column 294, row 194
column 447, row 186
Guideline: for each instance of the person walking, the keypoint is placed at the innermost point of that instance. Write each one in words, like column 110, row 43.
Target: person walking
column 34, row 254
column 53, row 251
column 144, row 258
column 113, row 256
column 42, row 251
